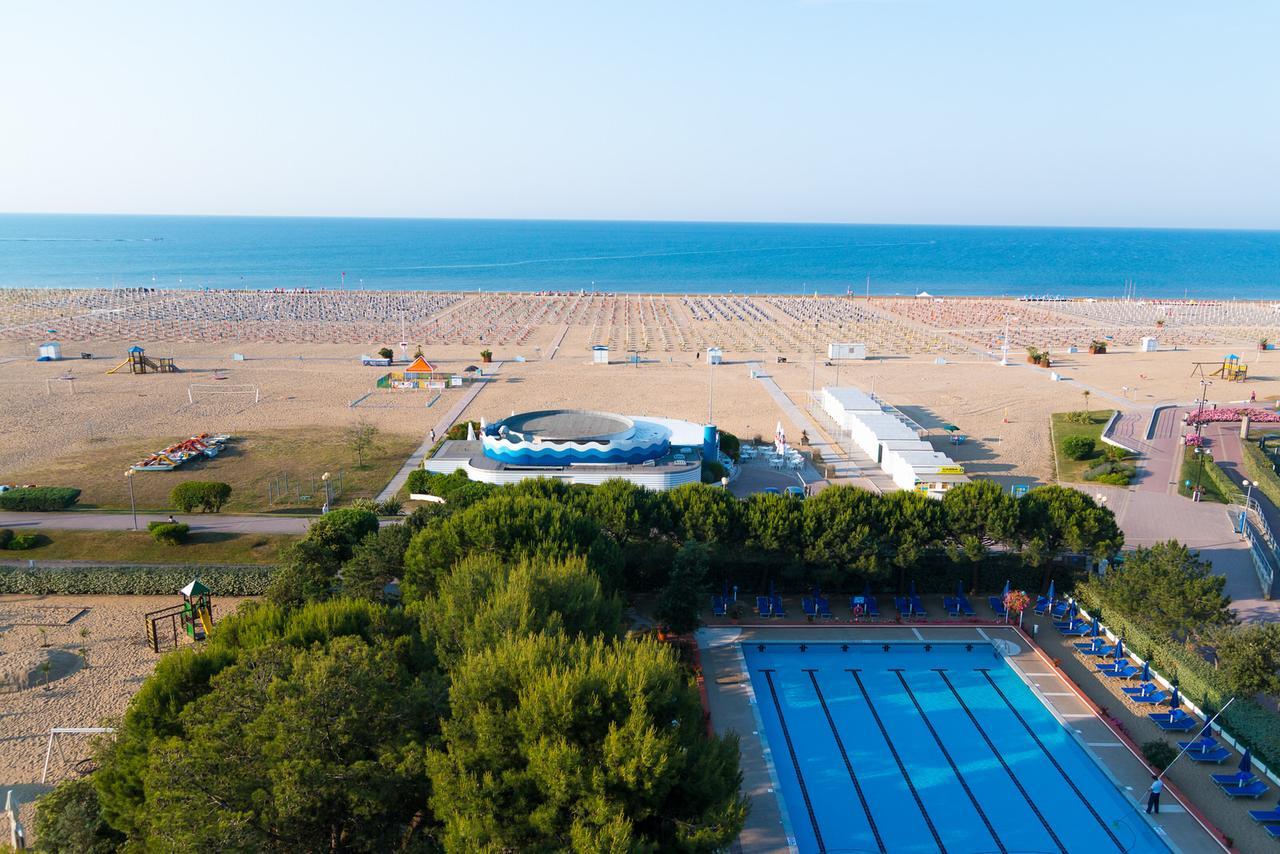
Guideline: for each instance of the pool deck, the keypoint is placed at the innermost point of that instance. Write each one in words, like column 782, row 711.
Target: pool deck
column 728, row 693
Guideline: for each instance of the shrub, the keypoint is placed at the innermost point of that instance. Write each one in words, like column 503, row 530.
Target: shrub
column 172, row 533
column 459, row 431
column 39, row 498
column 1097, row 347
column 1261, row 471
column 22, row 542
column 386, row 353
column 1078, row 447
column 730, row 444
column 712, row 471
column 132, row 580
column 206, row 495
column 5, row 536
column 69, row 818
column 1159, row 753
column 390, row 507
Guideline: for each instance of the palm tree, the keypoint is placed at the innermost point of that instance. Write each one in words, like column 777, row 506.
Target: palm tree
column 1086, row 394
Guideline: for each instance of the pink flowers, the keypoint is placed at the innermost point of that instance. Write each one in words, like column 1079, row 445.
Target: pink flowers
column 1232, row 413
column 1191, row 440
column 1016, row 601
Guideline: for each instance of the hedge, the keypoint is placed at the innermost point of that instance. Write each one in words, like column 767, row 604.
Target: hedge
column 5, row 536
column 1258, row 466
column 133, row 580
column 1249, row 722
column 207, row 495
column 22, row 542
column 39, row 498
column 172, row 533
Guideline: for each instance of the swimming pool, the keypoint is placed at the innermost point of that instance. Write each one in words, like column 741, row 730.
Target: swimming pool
column 929, row 747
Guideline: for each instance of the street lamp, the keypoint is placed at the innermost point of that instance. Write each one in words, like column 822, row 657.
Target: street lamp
column 133, row 507
column 328, row 493
column 1248, row 496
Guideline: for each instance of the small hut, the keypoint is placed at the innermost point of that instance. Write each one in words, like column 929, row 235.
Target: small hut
column 50, row 351
column 600, row 354
column 714, row 355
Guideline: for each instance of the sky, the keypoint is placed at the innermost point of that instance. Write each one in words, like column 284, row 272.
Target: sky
column 1141, row 113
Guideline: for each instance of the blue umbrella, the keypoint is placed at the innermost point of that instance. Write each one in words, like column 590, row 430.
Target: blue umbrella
column 1050, row 592
column 1006, row 591
column 1119, row 651
column 912, row 592
column 1074, row 610
column 1175, row 700
column 1097, row 630
column 1206, row 732
column 1146, row 671
column 1246, row 766
column 959, row 588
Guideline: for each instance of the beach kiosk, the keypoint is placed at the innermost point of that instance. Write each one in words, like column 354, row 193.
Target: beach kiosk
column 50, row 351
column 600, row 354
column 714, row 355
column 1148, row 345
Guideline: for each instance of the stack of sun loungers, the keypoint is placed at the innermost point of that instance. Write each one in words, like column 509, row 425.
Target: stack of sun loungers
column 909, row 606
column 1204, row 749
column 1241, row 784
column 718, row 605
column 1175, row 720
column 1269, row 819
column 770, row 606
column 816, row 606
column 997, row 605
column 957, row 605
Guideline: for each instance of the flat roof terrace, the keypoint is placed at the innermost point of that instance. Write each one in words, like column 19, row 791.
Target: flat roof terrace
column 569, row 425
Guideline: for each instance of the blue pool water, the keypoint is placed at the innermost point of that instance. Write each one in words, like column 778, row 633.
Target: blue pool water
column 669, row 257
column 939, row 748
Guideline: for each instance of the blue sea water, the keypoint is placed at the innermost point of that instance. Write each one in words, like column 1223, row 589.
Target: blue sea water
column 667, row 257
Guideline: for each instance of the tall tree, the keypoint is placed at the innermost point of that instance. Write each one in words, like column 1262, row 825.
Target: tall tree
column 1249, row 658
column 1054, row 520
column 681, row 600
column 979, row 515
column 707, row 514
column 362, row 438
column 774, row 523
column 841, row 529
column 558, row 745
column 1170, row 589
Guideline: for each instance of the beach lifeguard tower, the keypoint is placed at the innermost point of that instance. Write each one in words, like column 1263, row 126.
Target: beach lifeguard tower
column 600, row 354
column 50, row 351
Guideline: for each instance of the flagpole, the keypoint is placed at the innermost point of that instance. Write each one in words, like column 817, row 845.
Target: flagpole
column 1207, row 724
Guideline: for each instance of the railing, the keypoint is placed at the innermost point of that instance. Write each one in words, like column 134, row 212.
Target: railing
column 1248, row 520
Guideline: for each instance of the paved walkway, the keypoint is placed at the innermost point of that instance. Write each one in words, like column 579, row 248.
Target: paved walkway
column 442, row 426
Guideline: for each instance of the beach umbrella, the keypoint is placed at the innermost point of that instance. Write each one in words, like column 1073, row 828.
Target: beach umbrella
column 1246, row 764
column 1073, row 611
column 1175, row 700
column 1119, row 651
column 1005, row 594
column 1146, row 671
column 959, row 588
column 1097, row 630
column 912, row 591
column 1206, row 732
column 951, row 428
column 1050, row 592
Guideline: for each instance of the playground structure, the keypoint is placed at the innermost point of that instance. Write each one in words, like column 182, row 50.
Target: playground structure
column 194, row 615
column 1230, row 369
column 176, row 454
column 139, row 362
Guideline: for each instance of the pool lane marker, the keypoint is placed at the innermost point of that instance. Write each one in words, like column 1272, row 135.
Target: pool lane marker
column 902, row 769
column 786, row 735
column 947, row 755
column 1005, row 765
column 845, row 756
column 1049, row 755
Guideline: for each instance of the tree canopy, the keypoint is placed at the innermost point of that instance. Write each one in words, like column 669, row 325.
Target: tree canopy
column 1169, row 588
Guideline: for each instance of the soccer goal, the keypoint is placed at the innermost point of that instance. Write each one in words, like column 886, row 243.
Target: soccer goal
column 197, row 391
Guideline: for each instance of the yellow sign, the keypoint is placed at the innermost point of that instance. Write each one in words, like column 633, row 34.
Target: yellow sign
column 950, row 469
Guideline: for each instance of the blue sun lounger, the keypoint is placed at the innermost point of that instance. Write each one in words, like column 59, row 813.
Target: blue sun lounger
column 1089, row 646
column 873, row 607
column 1175, row 722
column 1251, row 790
column 824, row 608
column 1112, row 665
column 965, row 607
column 1140, row 690
column 997, row 606
column 1272, row 830
column 1214, row 756
column 1199, row 745
column 1265, row 815
column 1235, row 778
column 1079, row 630
column 778, row 610
column 1126, row 672
column 717, row 606
column 809, row 606
column 918, row 606
column 1153, row 699
column 903, row 606
column 762, row 606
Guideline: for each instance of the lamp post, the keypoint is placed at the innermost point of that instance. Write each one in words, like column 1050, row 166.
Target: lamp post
column 711, row 387
column 328, row 494
column 133, row 507
column 1204, row 396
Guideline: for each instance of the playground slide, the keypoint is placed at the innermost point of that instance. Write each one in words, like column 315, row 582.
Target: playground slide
column 206, row 620
column 118, row 367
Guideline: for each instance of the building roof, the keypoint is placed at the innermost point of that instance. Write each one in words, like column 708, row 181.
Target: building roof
column 420, row 366
column 573, row 425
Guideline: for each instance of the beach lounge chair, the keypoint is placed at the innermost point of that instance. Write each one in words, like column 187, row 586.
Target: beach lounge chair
column 1214, row 756
column 1272, row 815
column 1079, row 630
column 951, row 605
column 997, row 606
column 918, row 607
column 1139, row 690
column 1126, row 672
column 824, row 608
column 809, row 606
column 1112, row 665
column 1089, row 647
column 1250, row 790
column 903, row 605
column 873, row 607
column 1169, row 716
column 1199, row 745
column 1179, row 724
column 1235, row 778
column 1273, row 830
column 965, row 607
column 776, row 603
column 1153, row 699
column 762, row 606
column 717, row 606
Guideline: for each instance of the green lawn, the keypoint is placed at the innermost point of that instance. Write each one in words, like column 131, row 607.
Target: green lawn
column 139, row 547
column 250, row 462
column 1072, row 471
column 1212, row 479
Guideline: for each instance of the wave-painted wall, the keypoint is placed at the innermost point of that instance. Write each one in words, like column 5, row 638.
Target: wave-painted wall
column 524, row 453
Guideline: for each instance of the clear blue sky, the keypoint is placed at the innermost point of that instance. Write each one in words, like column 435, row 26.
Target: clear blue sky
column 903, row 111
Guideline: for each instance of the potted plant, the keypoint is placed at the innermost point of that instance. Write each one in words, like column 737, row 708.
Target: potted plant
column 1097, row 348
column 1033, row 356
column 1263, row 343
column 486, row 355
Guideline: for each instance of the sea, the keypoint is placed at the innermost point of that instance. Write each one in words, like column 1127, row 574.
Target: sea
column 193, row 252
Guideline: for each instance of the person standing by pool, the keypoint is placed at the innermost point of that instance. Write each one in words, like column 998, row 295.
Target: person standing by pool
column 1153, row 799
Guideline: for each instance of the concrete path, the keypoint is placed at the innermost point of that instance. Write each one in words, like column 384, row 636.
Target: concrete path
column 90, row 521
column 441, row 427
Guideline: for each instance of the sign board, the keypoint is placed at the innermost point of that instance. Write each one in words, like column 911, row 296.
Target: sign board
column 950, row 469
column 1019, row 490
